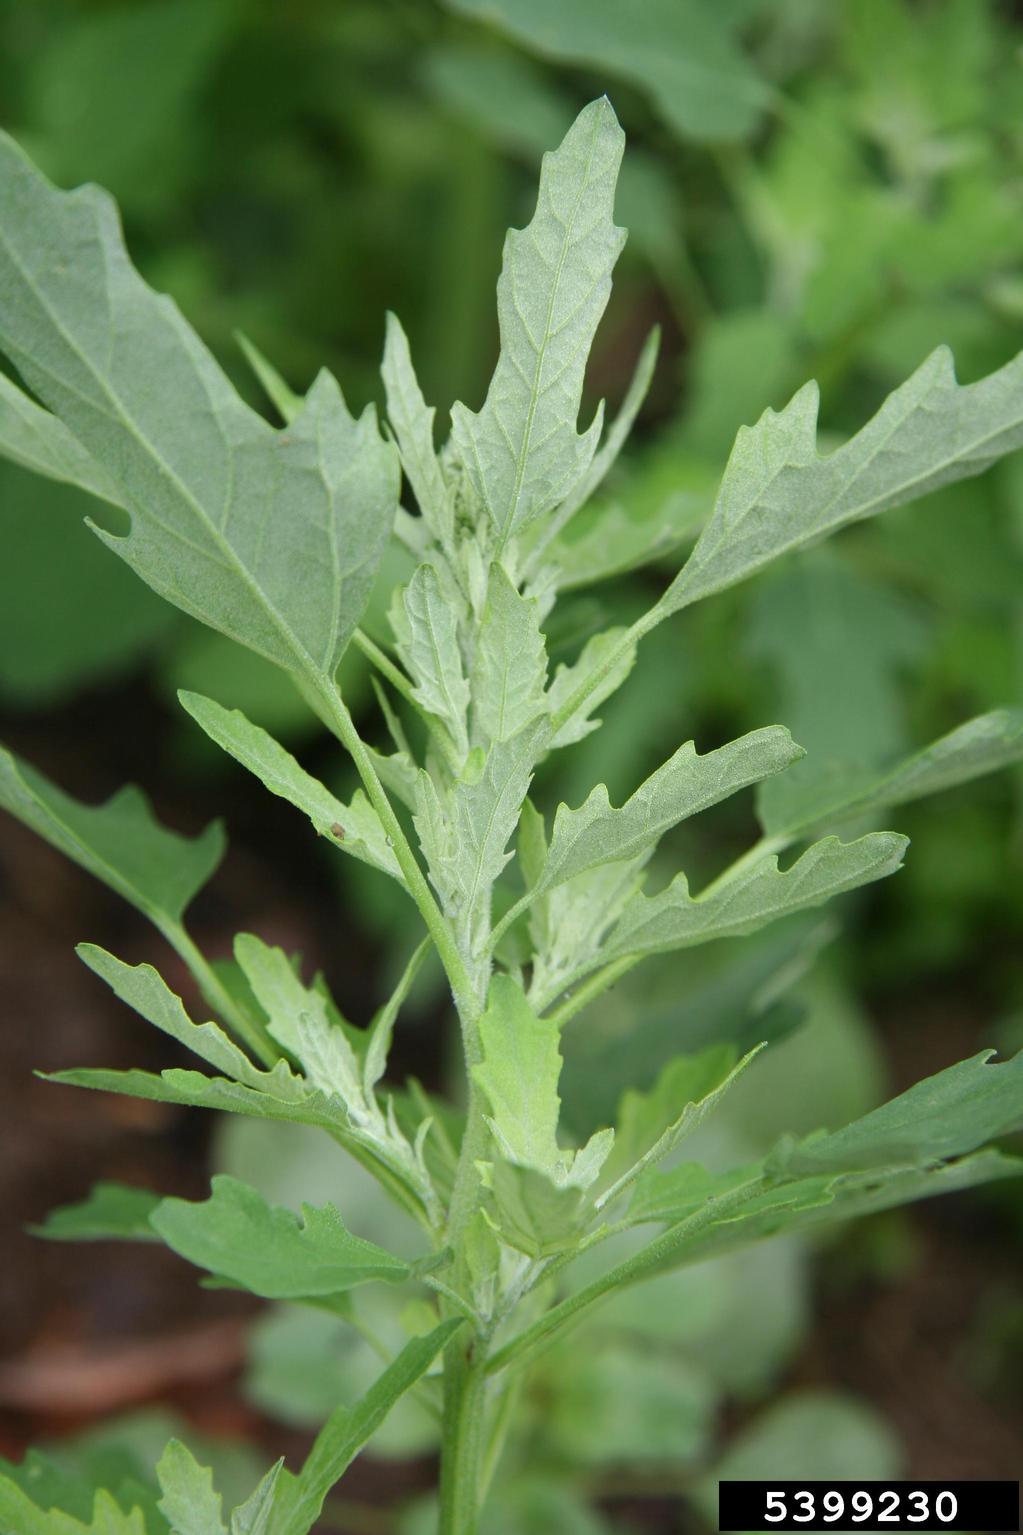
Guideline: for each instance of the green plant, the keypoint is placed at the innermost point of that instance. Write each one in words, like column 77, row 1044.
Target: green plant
column 275, row 537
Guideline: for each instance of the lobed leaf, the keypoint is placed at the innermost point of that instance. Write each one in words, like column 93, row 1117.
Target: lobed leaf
column 112, row 1210
column 510, row 666
column 519, row 1076
column 35, row 439
column 412, row 422
column 687, row 783
column 426, row 627
column 355, row 828
column 237, row 1235
column 522, row 451
column 189, row 1501
column 779, row 493
column 752, row 897
column 119, row 842
column 603, row 666
column 272, row 537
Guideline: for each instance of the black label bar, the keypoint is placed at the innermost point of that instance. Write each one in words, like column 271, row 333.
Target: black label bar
column 842, row 1506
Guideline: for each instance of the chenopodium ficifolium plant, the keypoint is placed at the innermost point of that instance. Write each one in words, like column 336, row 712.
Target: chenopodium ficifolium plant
column 275, row 537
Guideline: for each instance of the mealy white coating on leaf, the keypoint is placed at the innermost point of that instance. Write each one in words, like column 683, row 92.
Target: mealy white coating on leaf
column 355, row 828
column 687, row 783
column 522, row 451
column 567, row 679
column 411, row 420
column 274, row 538
column 426, row 627
column 758, row 894
column 982, row 745
column 510, row 665
column 778, row 492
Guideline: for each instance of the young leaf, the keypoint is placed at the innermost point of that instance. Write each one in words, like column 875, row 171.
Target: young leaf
column 426, row 627
column 356, row 827
column 272, row 537
column 279, row 990
column 300, row 1498
column 982, row 745
column 119, row 842
column 687, row 783
column 112, row 1210
column 381, row 1030
column 236, row 1235
column 145, row 990
column 35, row 439
column 510, row 668
column 519, row 1077
column 522, row 452
column 778, row 492
column 191, row 1505
column 412, row 422
column 750, row 899
column 255, row 1515
column 600, row 662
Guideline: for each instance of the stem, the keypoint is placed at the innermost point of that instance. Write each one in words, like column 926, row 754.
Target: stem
column 343, row 725
column 599, row 982
column 463, row 1443
column 641, row 1265
column 592, row 680
column 384, row 665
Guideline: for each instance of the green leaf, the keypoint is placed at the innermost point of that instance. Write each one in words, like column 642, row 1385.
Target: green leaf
column 510, row 668
column 272, row 537
column 983, row 745
column 355, row 828
column 284, row 399
column 426, row 627
column 119, row 842
column 255, row 1515
column 599, row 655
column 112, row 1210
column 300, row 1498
column 381, row 1030
column 519, row 1076
column 21, row 1516
column 752, row 897
column 189, row 1501
column 687, row 783
column 412, row 422
column 650, row 1125
column 35, row 439
column 778, row 492
column 144, row 989
column 943, row 1116
column 236, row 1235
column 681, row 53
column 522, row 452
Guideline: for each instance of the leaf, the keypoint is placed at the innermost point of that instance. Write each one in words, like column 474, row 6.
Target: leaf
column 144, row 989
column 650, row 1125
column 272, row 537
column 278, row 989
column 519, row 1076
column 19, row 1514
column 381, row 1030
column 778, row 492
column 300, row 1498
column 427, row 631
column 687, row 783
column 522, row 452
column 355, row 828
column 756, row 895
column 236, row 1235
column 983, row 745
column 510, row 669
column 112, row 1210
column 284, row 399
column 600, row 655
column 189, row 1501
column 35, row 439
column 811, row 1433
column 679, row 52
column 944, row 1116
column 412, row 422
column 119, row 842
column 465, row 844
column 255, row 1515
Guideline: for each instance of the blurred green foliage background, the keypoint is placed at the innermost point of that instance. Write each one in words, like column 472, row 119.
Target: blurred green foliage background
column 812, row 189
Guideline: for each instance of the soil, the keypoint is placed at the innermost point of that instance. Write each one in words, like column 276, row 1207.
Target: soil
column 933, row 1339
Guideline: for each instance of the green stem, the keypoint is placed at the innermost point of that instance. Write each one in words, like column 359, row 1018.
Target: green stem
column 384, row 665
column 599, row 982
column 641, row 1265
column 633, row 634
column 463, row 1441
